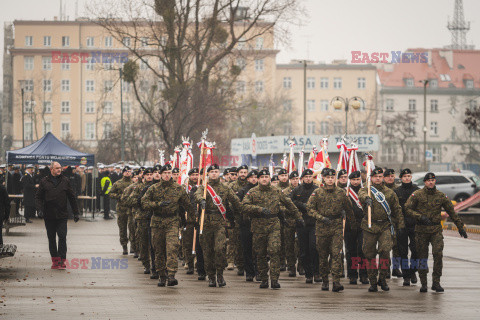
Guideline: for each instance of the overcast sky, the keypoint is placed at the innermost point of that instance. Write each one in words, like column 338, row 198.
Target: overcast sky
column 333, row 28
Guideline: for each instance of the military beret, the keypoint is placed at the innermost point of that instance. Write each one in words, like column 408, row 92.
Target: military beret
column 263, row 172
column 329, row 172
column 354, row 175
column 324, row 171
column 126, row 168
column 377, row 170
column 148, row 170
column 232, row 169
column 307, row 172
column 167, row 167
column 157, row 167
column 213, row 167
column 341, row 172
column 243, row 166
column 225, row 172
column 405, row 171
column 192, row 171
column 282, row 171
column 175, row 170
column 142, row 168
column 429, row 176
column 388, row 172
column 252, row 173
column 293, row 174
column 275, row 178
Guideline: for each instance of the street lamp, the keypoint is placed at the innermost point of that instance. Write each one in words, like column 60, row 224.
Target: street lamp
column 122, row 146
column 304, row 62
column 22, row 90
column 425, row 82
column 338, row 102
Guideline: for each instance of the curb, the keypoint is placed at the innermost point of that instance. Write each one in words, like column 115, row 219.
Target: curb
column 468, row 228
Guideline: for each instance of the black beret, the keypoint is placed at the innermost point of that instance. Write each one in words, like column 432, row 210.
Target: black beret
column 192, row 171
column 282, row 171
column 148, row 170
column 354, row 175
column 307, row 172
column 388, row 172
column 377, row 170
column 341, row 172
column 232, row 169
column 157, row 167
column 126, row 168
column 175, row 170
column 243, row 166
column 429, row 176
column 167, row 167
column 142, row 168
column 293, row 174
column 213, row 167
column 329, row 172
column 405, row 171
column 324, row 170
column 275, row 178
column 263, row 172
column 252, row 173
column 225, row 172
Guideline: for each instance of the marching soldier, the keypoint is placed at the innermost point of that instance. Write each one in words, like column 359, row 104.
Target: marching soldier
column 175, row 174
column 165, row 199
column 425, row 206
column 282, row 185
column 262, row 204
column 342, row 178
column 28, row 188
column 385, row 211
column 289, row 229
column 329, row 205
column 389, row 180
column 274, row 181
column 122, row 210
column 132, row 233
column 226, row 176
column 187, row 233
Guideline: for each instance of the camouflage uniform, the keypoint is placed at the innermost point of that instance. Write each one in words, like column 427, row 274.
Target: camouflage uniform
column 266, row 228
column 289, row 230
column 429, row 203
column 235, row 247
column 329, row 203
column 395, row 252
column 123, row 211
column 380, row 231
column 165, row 222
column 187, row 240
column 282, row 186
column 132, row 227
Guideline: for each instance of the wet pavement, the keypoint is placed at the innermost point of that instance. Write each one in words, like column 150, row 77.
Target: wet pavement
column 29, row 289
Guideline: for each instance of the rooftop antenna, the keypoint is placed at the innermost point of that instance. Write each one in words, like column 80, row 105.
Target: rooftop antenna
column 60, row 12
column 459, row 28
column 76, row 10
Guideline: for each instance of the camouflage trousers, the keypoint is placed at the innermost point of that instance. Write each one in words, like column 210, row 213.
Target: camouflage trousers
column 122, row 222
column 282, row 244
column 395, row 251
column 213, row 241
column 330, row 244
column 230, row 256
column 370, row 250
column 187, row 245
column 291, row 248
column 235, row 248
column 142, row 241
column 267, row 244
column 166, row 244
column 422, row 241
column 131, row 232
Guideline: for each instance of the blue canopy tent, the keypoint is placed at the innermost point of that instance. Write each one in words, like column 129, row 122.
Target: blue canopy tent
column 49, row 149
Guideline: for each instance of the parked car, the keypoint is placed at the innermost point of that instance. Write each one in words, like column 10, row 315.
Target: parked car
column 457, row 186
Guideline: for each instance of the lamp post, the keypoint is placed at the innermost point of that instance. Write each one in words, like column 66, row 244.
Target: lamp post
column 122, row 150
column 304, row 62
column 425, row 82
column 22, row 90
column 338, row 102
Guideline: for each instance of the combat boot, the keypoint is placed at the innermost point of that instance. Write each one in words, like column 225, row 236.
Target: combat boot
column 424, row 288
column 221, row 282
column 249, row 278
column 300, row 270
column 264, row 284
column 337, row 287
column 406, row 282
column 414, row 278
column 257, row 278
column 383, row 284
column 154, row 275
column 309, row 280
column 325, row 284
column 125, row 250
column 283, row 268
column 275, row 284
column 230, row 266
column 397, row 273
column 364, row 280
column 146, row 271
column 373, row 288
column 172, row 281
column 162, row 282
column 353, row 281
column 292, row 272
column 240, row 272
column 317, row 278
column 201, row 277
column 437, row 287
column 212, row 281
column 135, row 255
column 190, row 270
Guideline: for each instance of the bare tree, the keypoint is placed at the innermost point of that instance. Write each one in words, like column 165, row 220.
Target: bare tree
column 399, row 131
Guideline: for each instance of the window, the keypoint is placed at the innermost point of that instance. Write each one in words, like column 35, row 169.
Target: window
column 144, row 41
column 337, row 83
column 108, row 85
column 434, row 105
column 27, row 108
column 65, row 129
column 389, row 154
column 161, row 85
column 434, row 128
column 47, row 85
column 89, row 65
column 65, row 41
column 411, row 128
column 90, row 130
column 47, row 41
column 287, row 128
column 324, row 105
column 240, row 86
column 310, row 83
column 287, row 105
column 361, row 83
column 126, row 41
column 144, row 64
column 412, row 105
column 46, row 63
column 259, row 65
column 28, row 62
column 89, row 106
column 47, row 107
column 389, row 105
column 28, row 41
column 259, row 43
column 90, row 85
column 241, row 43
column 413, row 154
column 241, row 63
column 107, row 130
column 28, row 85
column 259, row 86
column 28, row 131
column 66, row 65
column 65, row 85
column 437, row 153
column 409, row 82
column 323, row 83
column 324, row 128
column 337, row 127
column 469, row 84
column 108, row 41
column 433, row 83
column 311, row 127
column 65, row 107
column 107, row 66
column 311, row 105
column 90, row 41
column 108, row 107
column 287, row 82
column 362, row 127
column 126, row 106
column 163, row 40
column 144, row 85
column 126, row 86
column 47, row 127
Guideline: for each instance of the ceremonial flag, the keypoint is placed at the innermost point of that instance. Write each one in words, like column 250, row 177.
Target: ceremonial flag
column 291, row 158
column 271, row 166
column 300, row 162
column 311, row 158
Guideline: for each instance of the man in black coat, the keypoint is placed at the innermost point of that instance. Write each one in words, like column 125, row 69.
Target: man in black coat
column 4, row 209
column 28, row 188
column 51, row 201
column 16, row 186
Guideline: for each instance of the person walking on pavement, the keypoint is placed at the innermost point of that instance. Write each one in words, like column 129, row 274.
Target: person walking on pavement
column 28, row 188
column 51, row 201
